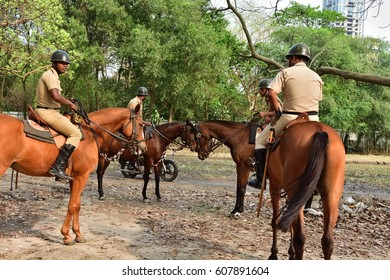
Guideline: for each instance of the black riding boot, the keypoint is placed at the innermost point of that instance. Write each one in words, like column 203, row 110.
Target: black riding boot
column 58, row 168
column 260, row 155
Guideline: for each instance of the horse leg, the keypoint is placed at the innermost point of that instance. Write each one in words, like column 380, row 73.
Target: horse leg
column 242, row 180
column 147, row 167
column 291, row 250
column 298, row 238
column 157, row 170
column 102, row 166
column 330, row 208
column 275, row 199
column 76, row 188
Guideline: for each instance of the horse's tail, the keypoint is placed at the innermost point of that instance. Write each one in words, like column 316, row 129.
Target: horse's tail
column 307, row 183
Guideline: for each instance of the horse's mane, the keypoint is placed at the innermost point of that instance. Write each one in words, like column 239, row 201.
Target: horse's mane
column 167, row 124
column 226, row 123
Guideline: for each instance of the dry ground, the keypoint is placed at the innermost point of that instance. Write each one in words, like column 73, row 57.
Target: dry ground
column 190, row 223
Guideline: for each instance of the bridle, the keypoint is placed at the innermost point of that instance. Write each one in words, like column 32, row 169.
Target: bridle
column 184, row 142
column 132, row 120
column 128, row 144
column 213, row 143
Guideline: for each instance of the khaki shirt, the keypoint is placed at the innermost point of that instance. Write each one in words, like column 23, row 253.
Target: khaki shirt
column 48, row 81
column 301, row 87
column 134, row 102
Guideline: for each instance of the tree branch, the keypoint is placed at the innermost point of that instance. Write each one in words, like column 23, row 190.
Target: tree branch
column 354, row 76
column 251, row 46
column 321, row 71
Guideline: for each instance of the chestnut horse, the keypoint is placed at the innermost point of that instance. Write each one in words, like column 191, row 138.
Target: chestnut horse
column 161, row 137
column 34, row 158
column 236, row 137
column 310, row 155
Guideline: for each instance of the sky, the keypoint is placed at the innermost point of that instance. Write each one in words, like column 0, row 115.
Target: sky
column 371, row 25
column 373, row 22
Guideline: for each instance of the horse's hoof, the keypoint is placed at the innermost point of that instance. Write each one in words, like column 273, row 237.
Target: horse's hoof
column 235, row 215
column 272, row 257
column 80, row 239
column 158, row 199
column 102, row 197
column 146, row 200
column 69, row 242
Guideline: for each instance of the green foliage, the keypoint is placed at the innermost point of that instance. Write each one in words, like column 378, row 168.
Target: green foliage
column 193, row 66
column 299, row 15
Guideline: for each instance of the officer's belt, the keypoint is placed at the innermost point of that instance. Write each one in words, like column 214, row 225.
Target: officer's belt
column 48, row 108
column 310, row 113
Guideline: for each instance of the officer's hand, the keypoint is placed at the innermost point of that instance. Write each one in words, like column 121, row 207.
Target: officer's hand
column 273, row 121
column 73, row 107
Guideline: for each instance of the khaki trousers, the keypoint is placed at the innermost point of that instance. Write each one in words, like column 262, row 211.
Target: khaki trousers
column 60, row 123
column 262, row 137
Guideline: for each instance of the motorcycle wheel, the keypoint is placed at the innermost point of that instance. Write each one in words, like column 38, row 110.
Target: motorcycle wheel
column 170, row 172
column 127, row 174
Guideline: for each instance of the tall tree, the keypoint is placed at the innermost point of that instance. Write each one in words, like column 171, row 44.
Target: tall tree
column 29, row 31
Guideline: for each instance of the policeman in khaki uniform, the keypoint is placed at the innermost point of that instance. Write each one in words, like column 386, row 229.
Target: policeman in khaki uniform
column 49, row 101
column 142, row 93
column 302, row 92
column 266, row 115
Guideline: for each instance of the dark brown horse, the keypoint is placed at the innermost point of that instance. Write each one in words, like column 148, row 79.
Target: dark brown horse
column 34, row 158
column 162, row 136
column 236, row 137
column 310, row 156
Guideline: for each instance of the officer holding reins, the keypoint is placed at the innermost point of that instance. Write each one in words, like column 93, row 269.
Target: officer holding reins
column 49, row 101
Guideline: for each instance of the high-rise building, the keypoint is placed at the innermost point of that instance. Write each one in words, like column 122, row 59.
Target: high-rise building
column 353, row 10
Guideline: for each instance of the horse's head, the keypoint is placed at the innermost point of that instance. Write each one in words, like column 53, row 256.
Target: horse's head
column 133, row 129
column 199, row 140
column 187, row 136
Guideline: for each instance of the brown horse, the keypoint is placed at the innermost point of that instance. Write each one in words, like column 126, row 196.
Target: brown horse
column 34, row 158
column 161, row 137
column 236, row 137
column 310, row 156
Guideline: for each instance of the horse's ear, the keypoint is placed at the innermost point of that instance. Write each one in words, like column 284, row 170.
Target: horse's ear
column 189, row 123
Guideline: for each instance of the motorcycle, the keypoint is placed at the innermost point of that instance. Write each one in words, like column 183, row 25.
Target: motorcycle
column 130, row 169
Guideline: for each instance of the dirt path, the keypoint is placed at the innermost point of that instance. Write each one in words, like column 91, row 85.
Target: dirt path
column 190, row 223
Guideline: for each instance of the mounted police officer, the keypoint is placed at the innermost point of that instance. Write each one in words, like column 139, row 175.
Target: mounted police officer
column 142, row 93
column 49, row 101
column 302, row 92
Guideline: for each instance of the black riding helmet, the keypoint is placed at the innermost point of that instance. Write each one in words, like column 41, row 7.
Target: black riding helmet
column 299, row 49
column 60, row 56
column 264, row 83
column 142, row 91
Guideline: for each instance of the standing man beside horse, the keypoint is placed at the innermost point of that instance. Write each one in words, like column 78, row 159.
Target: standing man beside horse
column 302, row 92
column 49, row 101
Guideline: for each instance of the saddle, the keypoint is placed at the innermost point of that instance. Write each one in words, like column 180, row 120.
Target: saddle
column 38, row 129
column 148, row 131
column 302, row 117
column 252, row 133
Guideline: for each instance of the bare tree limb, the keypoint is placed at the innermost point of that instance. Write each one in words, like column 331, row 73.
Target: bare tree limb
column 321, row 71
column 251, row 46
column 354, row 76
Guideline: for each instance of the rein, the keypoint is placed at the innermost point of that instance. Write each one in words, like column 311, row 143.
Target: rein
column 127, row 143
column 214, row 145
column 171, row 141
column 115, row 136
